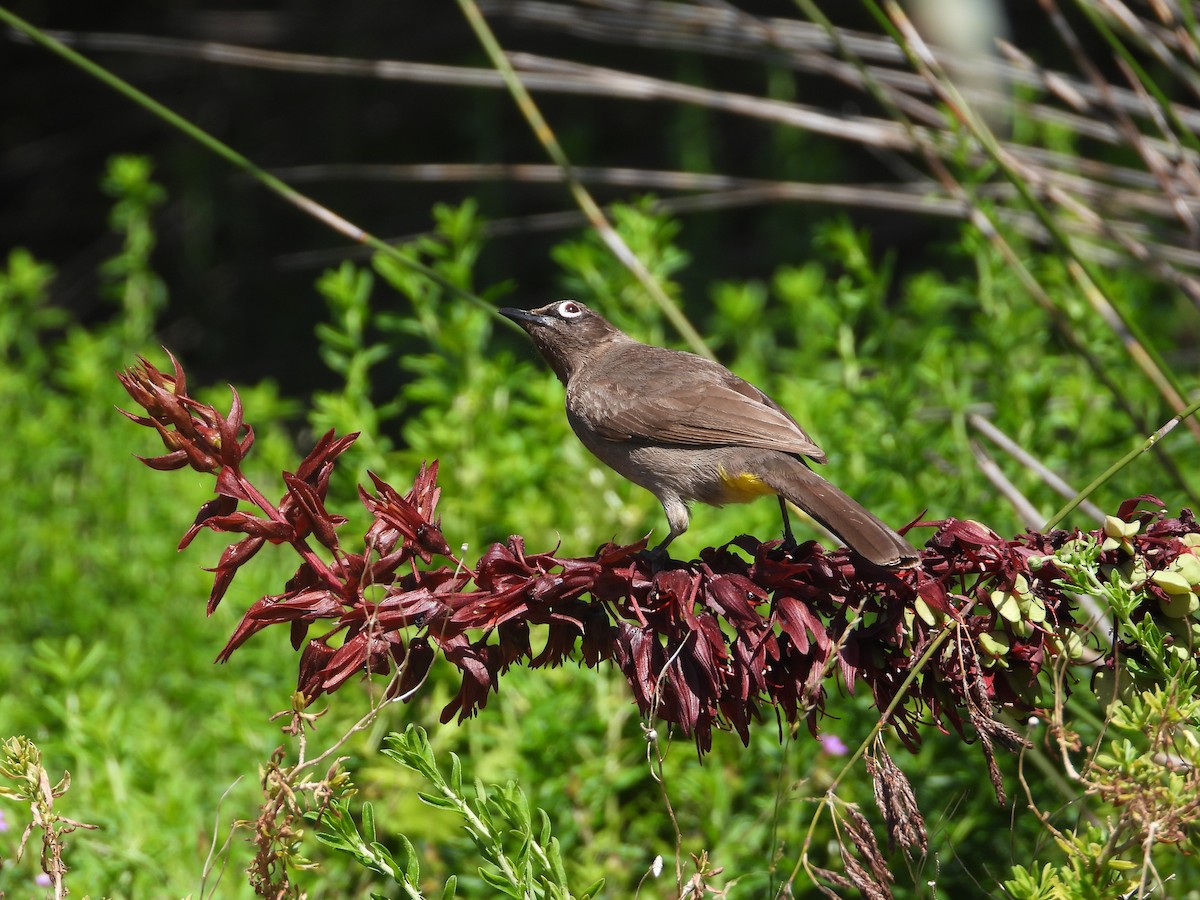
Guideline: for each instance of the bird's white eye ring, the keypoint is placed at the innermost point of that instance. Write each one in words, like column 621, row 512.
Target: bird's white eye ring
column 569, row 309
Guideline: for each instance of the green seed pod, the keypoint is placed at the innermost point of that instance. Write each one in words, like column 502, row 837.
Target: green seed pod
column 1179, row 606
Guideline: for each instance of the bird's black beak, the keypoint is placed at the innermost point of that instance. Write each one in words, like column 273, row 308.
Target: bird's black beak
column 524, row 317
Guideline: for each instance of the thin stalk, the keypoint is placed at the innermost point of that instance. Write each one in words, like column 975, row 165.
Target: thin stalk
column 1027, row 459
column 914, row 672
column 933, row 155
column 541, row 73
column 1088, row 281
column 1122, row 52
column 1121, row 463
column 591, row 209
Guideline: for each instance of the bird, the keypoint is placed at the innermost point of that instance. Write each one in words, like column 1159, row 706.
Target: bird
column 688, row 429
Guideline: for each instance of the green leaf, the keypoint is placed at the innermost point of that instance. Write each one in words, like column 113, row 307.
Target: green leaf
column 437, row 800
column 517, row 807
column 481, row 794
column 501, row 883
column 368, row 822
column 554, row 858
column 409, row 864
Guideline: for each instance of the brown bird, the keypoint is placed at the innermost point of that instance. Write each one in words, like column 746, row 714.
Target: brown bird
column 686, row 428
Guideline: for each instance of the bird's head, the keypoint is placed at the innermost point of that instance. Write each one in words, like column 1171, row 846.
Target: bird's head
column 566, row 333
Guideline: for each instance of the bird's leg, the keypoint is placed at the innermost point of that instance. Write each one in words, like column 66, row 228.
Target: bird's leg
column 678, row 518
column 789, row 539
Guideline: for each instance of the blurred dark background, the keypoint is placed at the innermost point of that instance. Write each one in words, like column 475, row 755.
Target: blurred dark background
column 240, row 263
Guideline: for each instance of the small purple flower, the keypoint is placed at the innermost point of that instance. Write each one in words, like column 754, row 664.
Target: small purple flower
column 833, row 745
column 4, row 826
column 42, row 880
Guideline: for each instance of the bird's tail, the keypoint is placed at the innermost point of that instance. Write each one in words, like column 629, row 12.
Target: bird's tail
column 862, row 530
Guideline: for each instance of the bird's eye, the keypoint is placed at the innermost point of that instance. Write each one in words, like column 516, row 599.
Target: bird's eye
column 569, row 309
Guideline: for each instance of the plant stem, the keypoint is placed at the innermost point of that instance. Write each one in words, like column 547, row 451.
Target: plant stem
column 1121, row 463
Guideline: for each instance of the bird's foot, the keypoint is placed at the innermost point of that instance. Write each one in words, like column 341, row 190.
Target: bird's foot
column 789, row 540
column 658, row 558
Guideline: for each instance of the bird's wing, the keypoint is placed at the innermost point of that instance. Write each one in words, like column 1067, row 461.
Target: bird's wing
column 666, row 396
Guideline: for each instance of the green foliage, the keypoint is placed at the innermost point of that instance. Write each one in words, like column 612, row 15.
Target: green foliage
column 1164, row 652
column 591, row 271
column 24, row 314
column 128, row 277
column 100, row 621
column 346, row 350
column 883, row 373
column 104, row 648
column 1140, row 767
column 402, row 867
column 1142, row 827
column 523, row 857
column 460, row 399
